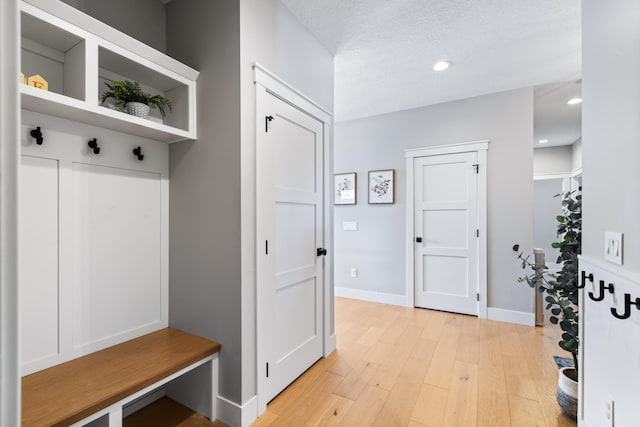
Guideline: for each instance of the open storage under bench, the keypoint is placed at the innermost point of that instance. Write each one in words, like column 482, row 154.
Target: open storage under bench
column 98, row 386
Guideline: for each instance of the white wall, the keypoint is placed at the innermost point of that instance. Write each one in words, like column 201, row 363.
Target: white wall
column 9, row 151
column 377, row 249
column 271, row 36
column 611, row 188
column 553, row 160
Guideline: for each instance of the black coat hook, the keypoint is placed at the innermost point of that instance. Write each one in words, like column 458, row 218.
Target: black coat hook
column 94, row 145
column 585, row 276
column 627, row 307
column 37, row 134
column 609, row 288
column 138, row 153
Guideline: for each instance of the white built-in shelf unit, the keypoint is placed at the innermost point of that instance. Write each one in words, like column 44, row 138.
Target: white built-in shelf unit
column 76, row 54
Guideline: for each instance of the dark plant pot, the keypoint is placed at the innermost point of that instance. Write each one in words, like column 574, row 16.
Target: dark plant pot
column 567, row 394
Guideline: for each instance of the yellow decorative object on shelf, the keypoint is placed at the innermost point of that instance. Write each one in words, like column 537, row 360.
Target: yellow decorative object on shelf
column 38, row 82
column 21, row 78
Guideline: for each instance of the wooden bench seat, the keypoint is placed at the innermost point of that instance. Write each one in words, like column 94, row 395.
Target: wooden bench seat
column 72, row 391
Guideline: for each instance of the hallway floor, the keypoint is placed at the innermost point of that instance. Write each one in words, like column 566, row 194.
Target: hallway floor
column 397, row 366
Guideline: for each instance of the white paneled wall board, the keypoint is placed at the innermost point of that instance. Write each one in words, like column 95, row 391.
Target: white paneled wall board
column 77, row 54
column 116, row 260
column 39, row 257
column 94, row 239
column 609, row 347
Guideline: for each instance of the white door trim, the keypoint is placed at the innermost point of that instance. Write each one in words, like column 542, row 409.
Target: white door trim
column 9, row 161
column 267, row 82
column 481, row 147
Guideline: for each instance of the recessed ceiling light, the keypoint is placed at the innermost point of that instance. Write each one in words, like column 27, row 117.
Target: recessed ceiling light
column 543, row 141
column 441, row 65
column 574, row 101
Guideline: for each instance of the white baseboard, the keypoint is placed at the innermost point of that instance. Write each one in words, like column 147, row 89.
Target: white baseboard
column 372, row 296
column 235, row 415
column 330, row 345
column 510, row 316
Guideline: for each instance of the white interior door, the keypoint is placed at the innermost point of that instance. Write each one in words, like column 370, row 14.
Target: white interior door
column 290, row 232
column 446, row 232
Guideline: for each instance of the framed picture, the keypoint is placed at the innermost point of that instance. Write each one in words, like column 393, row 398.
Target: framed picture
column 381, row 186
column 344, row 188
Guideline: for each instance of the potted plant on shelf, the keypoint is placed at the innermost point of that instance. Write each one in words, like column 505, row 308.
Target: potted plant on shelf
column 134, row 99
column 561, row 291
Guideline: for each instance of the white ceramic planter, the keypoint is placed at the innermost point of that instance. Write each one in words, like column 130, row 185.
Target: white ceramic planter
column 567, row 394
column 138, row 109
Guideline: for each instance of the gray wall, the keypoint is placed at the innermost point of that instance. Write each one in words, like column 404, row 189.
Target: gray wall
column 545, row 225
column 611, row 126
column 141, row 19
column 273, row 37
column 552, row 160
column 204, row 235
column 611, row 201
column 377, row 249
column 212, row 182
column 576, row 155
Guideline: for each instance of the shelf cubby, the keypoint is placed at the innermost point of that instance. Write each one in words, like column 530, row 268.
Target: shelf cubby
column 77, row 54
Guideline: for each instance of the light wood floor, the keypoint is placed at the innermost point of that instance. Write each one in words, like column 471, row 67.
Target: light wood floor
column 398, row 366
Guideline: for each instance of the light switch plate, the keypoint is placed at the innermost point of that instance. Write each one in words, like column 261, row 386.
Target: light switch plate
column 613, row 247
column 350, row 225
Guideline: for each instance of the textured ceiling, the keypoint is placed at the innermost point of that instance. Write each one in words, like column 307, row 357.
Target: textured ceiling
column 385, row 49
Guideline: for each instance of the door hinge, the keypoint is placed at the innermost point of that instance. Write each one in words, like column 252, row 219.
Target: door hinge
column 321, row 252
column 266, row 247
column 477, row 297
column 267, row 369
column 476, row 167
column 267, row 119
column 477, row 232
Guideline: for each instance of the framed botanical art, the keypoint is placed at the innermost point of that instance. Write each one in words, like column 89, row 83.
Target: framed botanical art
column 344, row 188
column 381, row 186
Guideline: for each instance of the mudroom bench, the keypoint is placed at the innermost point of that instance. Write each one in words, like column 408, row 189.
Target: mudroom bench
column 94, row 389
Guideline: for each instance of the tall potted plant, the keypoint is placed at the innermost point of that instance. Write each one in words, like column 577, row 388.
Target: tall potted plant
column 561, row 290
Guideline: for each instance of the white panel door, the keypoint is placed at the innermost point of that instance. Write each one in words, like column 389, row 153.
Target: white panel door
column 39, row 242
column 290, row 229
column 446, row 224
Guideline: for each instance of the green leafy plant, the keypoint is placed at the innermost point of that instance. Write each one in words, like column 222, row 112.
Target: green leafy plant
column 128, row 91
column 561, row 288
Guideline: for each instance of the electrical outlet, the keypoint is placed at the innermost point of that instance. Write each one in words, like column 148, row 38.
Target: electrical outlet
column 609, row 413
column 354, row 272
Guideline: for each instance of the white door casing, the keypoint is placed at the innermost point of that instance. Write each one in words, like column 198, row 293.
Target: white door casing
column 446, row 191
column 291, row 225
